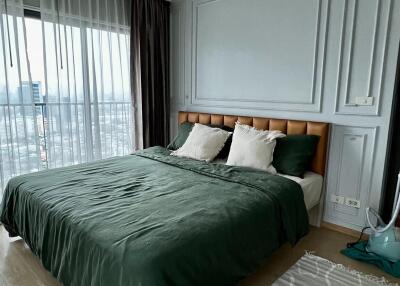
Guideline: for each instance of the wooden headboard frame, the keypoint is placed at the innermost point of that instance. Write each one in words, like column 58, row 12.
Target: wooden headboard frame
column 286, row 126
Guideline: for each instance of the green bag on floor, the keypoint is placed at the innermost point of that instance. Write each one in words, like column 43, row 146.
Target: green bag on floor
column 358, row 252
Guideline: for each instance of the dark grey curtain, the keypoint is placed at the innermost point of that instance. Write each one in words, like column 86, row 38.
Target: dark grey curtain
column 150, row 71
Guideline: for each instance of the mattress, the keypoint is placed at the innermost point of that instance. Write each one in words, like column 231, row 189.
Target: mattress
column 311, row 185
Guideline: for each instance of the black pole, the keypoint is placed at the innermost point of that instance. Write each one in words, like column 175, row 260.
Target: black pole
column 392, row 165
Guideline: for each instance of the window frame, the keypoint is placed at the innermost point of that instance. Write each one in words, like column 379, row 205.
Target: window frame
column 32, row 13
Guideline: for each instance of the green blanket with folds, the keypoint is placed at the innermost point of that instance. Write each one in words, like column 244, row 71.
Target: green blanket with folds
column 153, row 219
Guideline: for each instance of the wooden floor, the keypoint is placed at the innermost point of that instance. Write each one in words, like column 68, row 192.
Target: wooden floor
column 19, row 267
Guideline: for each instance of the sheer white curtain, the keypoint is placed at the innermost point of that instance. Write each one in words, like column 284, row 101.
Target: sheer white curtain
column 19, row 140
column 69, row 81
column 87, row 79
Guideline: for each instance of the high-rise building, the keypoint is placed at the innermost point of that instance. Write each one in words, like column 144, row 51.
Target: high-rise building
column 36, row 92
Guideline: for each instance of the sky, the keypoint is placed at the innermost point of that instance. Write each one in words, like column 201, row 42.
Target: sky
column 104, row 51
column 35, row 49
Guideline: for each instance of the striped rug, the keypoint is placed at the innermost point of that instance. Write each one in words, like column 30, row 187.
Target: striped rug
column 314, row 270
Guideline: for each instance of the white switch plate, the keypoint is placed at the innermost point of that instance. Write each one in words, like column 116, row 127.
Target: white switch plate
column 364, row 100
column 350, row 202
column 337, row 199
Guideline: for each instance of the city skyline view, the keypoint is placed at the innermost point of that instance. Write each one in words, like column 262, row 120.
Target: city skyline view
column 63, row 106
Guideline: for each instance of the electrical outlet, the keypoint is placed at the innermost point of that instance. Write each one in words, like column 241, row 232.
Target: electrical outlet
column 350, row 202
column 364, row 100
column 337, row 199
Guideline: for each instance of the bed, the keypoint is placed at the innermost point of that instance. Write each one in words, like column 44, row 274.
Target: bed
column 154, row 219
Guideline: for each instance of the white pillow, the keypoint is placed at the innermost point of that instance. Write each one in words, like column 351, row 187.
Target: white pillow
column 253, row 148
column 203, row 143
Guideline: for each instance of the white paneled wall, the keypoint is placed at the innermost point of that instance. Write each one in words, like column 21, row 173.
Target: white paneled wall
column 303, row 59
column 350, row 168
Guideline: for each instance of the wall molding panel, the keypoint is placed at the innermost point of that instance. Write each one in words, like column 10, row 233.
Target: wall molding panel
column 260, row 100
column 350, row 166
column 369, row 78
column 177, row 61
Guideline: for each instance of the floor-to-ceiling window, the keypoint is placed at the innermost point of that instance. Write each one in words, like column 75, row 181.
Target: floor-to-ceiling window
column 64, row 90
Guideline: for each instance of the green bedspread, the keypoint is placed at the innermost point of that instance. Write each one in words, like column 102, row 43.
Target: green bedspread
column 153, row 219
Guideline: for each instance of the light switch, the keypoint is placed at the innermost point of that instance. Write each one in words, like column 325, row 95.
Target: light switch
column 337, row 199
column 365, row 100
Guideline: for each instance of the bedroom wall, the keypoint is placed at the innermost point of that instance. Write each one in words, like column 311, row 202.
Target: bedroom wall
column 304, row 59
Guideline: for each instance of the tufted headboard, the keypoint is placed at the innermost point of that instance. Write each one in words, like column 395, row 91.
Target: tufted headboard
column 285, row 125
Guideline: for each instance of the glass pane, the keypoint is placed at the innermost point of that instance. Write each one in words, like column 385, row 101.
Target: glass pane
column 77, row 106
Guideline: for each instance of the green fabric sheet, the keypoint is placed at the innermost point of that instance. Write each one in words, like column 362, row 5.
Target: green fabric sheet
column 358, row 252
column 153, row 219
